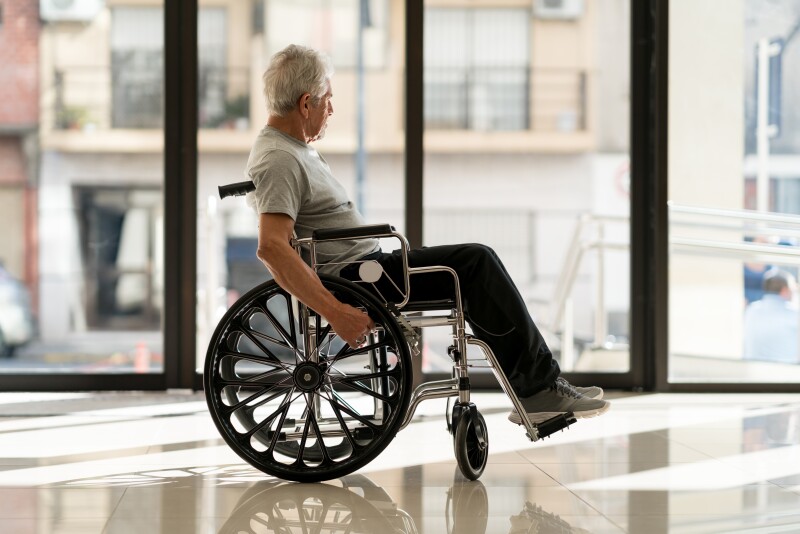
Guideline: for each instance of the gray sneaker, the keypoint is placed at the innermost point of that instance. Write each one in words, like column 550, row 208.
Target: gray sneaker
column 560, row 398
column 593, row 392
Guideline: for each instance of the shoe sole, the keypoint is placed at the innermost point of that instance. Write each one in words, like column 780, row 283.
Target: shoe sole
column 540, row 417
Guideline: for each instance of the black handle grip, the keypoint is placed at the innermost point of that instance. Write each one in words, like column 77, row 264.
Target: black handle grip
column 236, row 190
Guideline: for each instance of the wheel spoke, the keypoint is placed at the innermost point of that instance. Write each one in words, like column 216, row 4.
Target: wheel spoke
column 278, row 326
column 254, row 381
column 338, row 413
column 313, row 418
column 283, row 406
column 395, row 372
column 364, row 389
column 304, row 438
column 354, row 414
column 252, row 358
column 322, row 334
column 355, row 382
column 260, row 403
column 274, row 340
column 261, row 346
column 345, row 353
column 256, row 309
column 277, row 433
column 266, row 374
column 339, row 399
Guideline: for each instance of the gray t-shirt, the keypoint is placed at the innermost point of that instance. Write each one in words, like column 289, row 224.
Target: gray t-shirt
column 291, row 177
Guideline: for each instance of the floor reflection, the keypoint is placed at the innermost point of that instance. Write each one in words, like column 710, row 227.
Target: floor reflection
column 350, row 504
column 654, row 464
column 355, row 504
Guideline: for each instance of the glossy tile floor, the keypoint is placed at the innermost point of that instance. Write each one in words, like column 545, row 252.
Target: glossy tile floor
column 154, row 463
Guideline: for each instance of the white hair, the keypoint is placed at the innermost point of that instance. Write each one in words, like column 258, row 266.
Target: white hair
column 293, row 71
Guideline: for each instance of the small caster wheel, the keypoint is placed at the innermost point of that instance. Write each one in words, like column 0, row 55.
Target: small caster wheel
column 472, row 453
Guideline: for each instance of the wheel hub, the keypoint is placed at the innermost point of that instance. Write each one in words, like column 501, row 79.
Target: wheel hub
column 308, row 376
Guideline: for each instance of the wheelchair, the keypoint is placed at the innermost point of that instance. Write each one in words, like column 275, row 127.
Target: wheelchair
column 295, row 401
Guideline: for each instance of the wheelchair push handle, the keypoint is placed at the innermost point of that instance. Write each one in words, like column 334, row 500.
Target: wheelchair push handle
column 236, row 190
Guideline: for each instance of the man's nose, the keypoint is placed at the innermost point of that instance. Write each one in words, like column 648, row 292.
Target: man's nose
column 330, row 108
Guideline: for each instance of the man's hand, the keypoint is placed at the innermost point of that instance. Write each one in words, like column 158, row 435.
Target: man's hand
column 293, row 275
column 351, row 324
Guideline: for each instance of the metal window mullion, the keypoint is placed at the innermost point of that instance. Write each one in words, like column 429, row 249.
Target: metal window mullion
column 414, row 126
column 180, row 191
column 649, row 249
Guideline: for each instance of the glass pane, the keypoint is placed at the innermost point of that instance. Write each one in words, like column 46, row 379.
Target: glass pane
column 81, row 172
column 239, row 40
column 733, row 175
column 526, row 116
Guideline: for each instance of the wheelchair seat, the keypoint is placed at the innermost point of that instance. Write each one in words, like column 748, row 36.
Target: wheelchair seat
column 430, row 305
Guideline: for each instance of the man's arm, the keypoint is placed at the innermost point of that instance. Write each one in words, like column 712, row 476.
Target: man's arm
column 293, row 275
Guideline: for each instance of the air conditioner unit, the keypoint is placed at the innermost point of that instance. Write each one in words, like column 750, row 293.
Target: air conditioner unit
column 78, row 10
column 558, row 9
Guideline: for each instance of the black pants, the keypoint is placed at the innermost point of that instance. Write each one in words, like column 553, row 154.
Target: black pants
column 492, row 305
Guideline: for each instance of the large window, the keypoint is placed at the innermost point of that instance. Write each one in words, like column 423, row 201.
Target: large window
column 733, row 160
column 81, row 287
column 526, row 115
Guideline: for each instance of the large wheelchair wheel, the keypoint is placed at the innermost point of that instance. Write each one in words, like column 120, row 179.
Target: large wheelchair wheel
column 292, row 398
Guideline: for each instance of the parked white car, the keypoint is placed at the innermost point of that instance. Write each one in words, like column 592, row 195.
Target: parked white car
column 17, row 325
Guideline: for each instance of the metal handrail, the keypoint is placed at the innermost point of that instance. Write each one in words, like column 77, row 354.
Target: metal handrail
column 560, row 320
column 745, row 251
column 751, row 215
column 575, row 253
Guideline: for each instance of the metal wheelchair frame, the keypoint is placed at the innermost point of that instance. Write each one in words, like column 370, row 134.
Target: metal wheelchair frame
column 458, row 386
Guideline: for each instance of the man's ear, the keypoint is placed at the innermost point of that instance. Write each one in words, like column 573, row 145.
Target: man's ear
column 304, row 103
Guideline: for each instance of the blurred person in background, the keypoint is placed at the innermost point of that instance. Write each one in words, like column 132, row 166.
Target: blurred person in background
column 770, row 324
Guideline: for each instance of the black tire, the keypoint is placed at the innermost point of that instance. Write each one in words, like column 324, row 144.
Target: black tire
column 471, row 457
column 259, row 385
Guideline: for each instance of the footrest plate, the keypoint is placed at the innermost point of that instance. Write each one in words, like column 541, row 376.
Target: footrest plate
column 552, row 425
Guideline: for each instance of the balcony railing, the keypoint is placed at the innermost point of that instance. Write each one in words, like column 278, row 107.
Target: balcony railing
column 505, row 99
column 123, row 97
column 131, row 94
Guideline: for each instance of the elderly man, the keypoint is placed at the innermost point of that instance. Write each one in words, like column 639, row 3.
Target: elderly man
column 296, row 192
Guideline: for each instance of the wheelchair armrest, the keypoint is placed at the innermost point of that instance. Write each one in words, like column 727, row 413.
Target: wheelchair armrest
column 355, row 232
